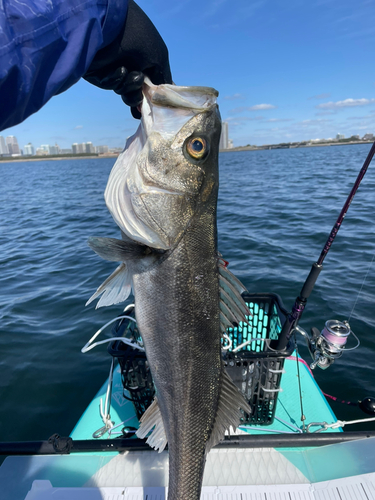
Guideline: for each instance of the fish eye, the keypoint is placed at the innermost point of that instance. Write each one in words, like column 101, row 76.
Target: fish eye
column 196, row 147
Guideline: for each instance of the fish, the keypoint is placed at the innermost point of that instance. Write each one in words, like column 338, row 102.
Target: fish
column 162, row 193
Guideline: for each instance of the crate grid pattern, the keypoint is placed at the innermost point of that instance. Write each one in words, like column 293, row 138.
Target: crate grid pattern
column 254, row 368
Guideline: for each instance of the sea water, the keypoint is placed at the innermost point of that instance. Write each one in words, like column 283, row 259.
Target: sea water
column 276, row 209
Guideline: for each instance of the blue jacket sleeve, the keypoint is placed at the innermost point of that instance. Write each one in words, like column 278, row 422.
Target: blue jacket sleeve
column 46, row 46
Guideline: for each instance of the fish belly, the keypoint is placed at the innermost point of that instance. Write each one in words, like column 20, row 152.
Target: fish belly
column 177, row 310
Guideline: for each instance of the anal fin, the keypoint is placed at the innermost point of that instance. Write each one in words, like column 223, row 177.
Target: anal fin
column 152, row 420
column 229, row 410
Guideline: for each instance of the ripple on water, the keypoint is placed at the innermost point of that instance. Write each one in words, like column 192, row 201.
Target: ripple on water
column 276, row 209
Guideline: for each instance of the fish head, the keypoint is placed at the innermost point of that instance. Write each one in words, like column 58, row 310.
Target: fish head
column 168, row 172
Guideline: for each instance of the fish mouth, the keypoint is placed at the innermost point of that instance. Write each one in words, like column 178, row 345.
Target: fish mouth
column 143, row 205
column 172, row 96
column 167, row 108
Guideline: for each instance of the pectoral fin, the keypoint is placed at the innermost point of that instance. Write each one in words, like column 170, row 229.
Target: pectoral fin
column 118, row 250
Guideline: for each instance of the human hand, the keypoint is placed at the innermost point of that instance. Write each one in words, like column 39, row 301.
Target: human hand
column 138, row 51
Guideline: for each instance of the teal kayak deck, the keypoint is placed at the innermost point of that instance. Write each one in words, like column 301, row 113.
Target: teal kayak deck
column 288, row 408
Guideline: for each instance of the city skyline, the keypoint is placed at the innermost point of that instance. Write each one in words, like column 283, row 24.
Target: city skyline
column 298, row 71
column 9, row 147
column 79, row 148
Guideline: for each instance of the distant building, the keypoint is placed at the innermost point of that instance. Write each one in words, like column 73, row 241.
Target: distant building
column 340, row 136
column 77, row 148
column 46, row 149
column 368, row 137
column 29, row 149
column 224, row 138
column 89, row 148
column 84, row 147
column 13, row 146
column 230, row 144
column 54, row 150
column 101, row 149
column 41, row 152
column 66, row 151
column 4, row 151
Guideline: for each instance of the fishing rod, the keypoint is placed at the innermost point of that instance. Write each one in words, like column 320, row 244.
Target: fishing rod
column 291, row 322
column 57, row 445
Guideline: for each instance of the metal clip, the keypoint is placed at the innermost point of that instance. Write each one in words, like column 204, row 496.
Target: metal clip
column 100, row 432
column 324, row 426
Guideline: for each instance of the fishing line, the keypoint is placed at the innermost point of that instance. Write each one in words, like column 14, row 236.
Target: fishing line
column 303, row 418
column 293, row 318
column 360, row 290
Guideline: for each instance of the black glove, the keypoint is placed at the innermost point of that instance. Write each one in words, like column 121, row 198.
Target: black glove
column 138, row 51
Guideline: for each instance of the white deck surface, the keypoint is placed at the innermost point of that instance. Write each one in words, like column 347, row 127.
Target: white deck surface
column 354, row 488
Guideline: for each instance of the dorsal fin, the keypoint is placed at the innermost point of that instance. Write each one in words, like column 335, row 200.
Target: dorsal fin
column 225, row 321
column 233, row 307
column 228, row 315
column 236, row 283
column 228, row 413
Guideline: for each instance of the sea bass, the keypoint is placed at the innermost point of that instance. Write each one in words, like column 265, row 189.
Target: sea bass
column 162, row 193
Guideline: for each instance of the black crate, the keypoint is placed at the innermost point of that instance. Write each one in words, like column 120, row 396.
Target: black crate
column 255, row 368
column 135, row 372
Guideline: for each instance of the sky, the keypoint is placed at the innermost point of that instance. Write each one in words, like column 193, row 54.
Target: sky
column 288, row 70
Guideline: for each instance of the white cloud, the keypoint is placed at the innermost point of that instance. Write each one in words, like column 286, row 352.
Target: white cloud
column 240, row 109
column 261, row 106
column 311, row 122
column 236, row 121
column 234, row 97
column 257, row 107
column 273, row 120
column 213, row 8
column 325, row 113
column 347, row 103
column 78, row 127
column 321, row 96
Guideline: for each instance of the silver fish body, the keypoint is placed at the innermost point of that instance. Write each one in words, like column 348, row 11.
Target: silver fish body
column 184, row 296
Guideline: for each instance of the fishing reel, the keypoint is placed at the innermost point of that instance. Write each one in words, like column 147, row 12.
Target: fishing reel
column 329, row 344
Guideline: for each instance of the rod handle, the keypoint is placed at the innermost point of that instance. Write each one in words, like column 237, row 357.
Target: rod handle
column 310, row 281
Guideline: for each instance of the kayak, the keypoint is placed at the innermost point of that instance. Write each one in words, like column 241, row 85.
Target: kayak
column 291, row 447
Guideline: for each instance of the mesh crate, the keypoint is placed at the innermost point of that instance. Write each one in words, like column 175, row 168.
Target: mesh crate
column 135, row 372
column 254, row 367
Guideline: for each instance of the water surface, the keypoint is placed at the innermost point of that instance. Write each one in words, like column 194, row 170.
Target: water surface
column 276, row 209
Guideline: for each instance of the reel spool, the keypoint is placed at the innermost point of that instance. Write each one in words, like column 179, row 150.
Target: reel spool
column 333, row 338
column 329, row 344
